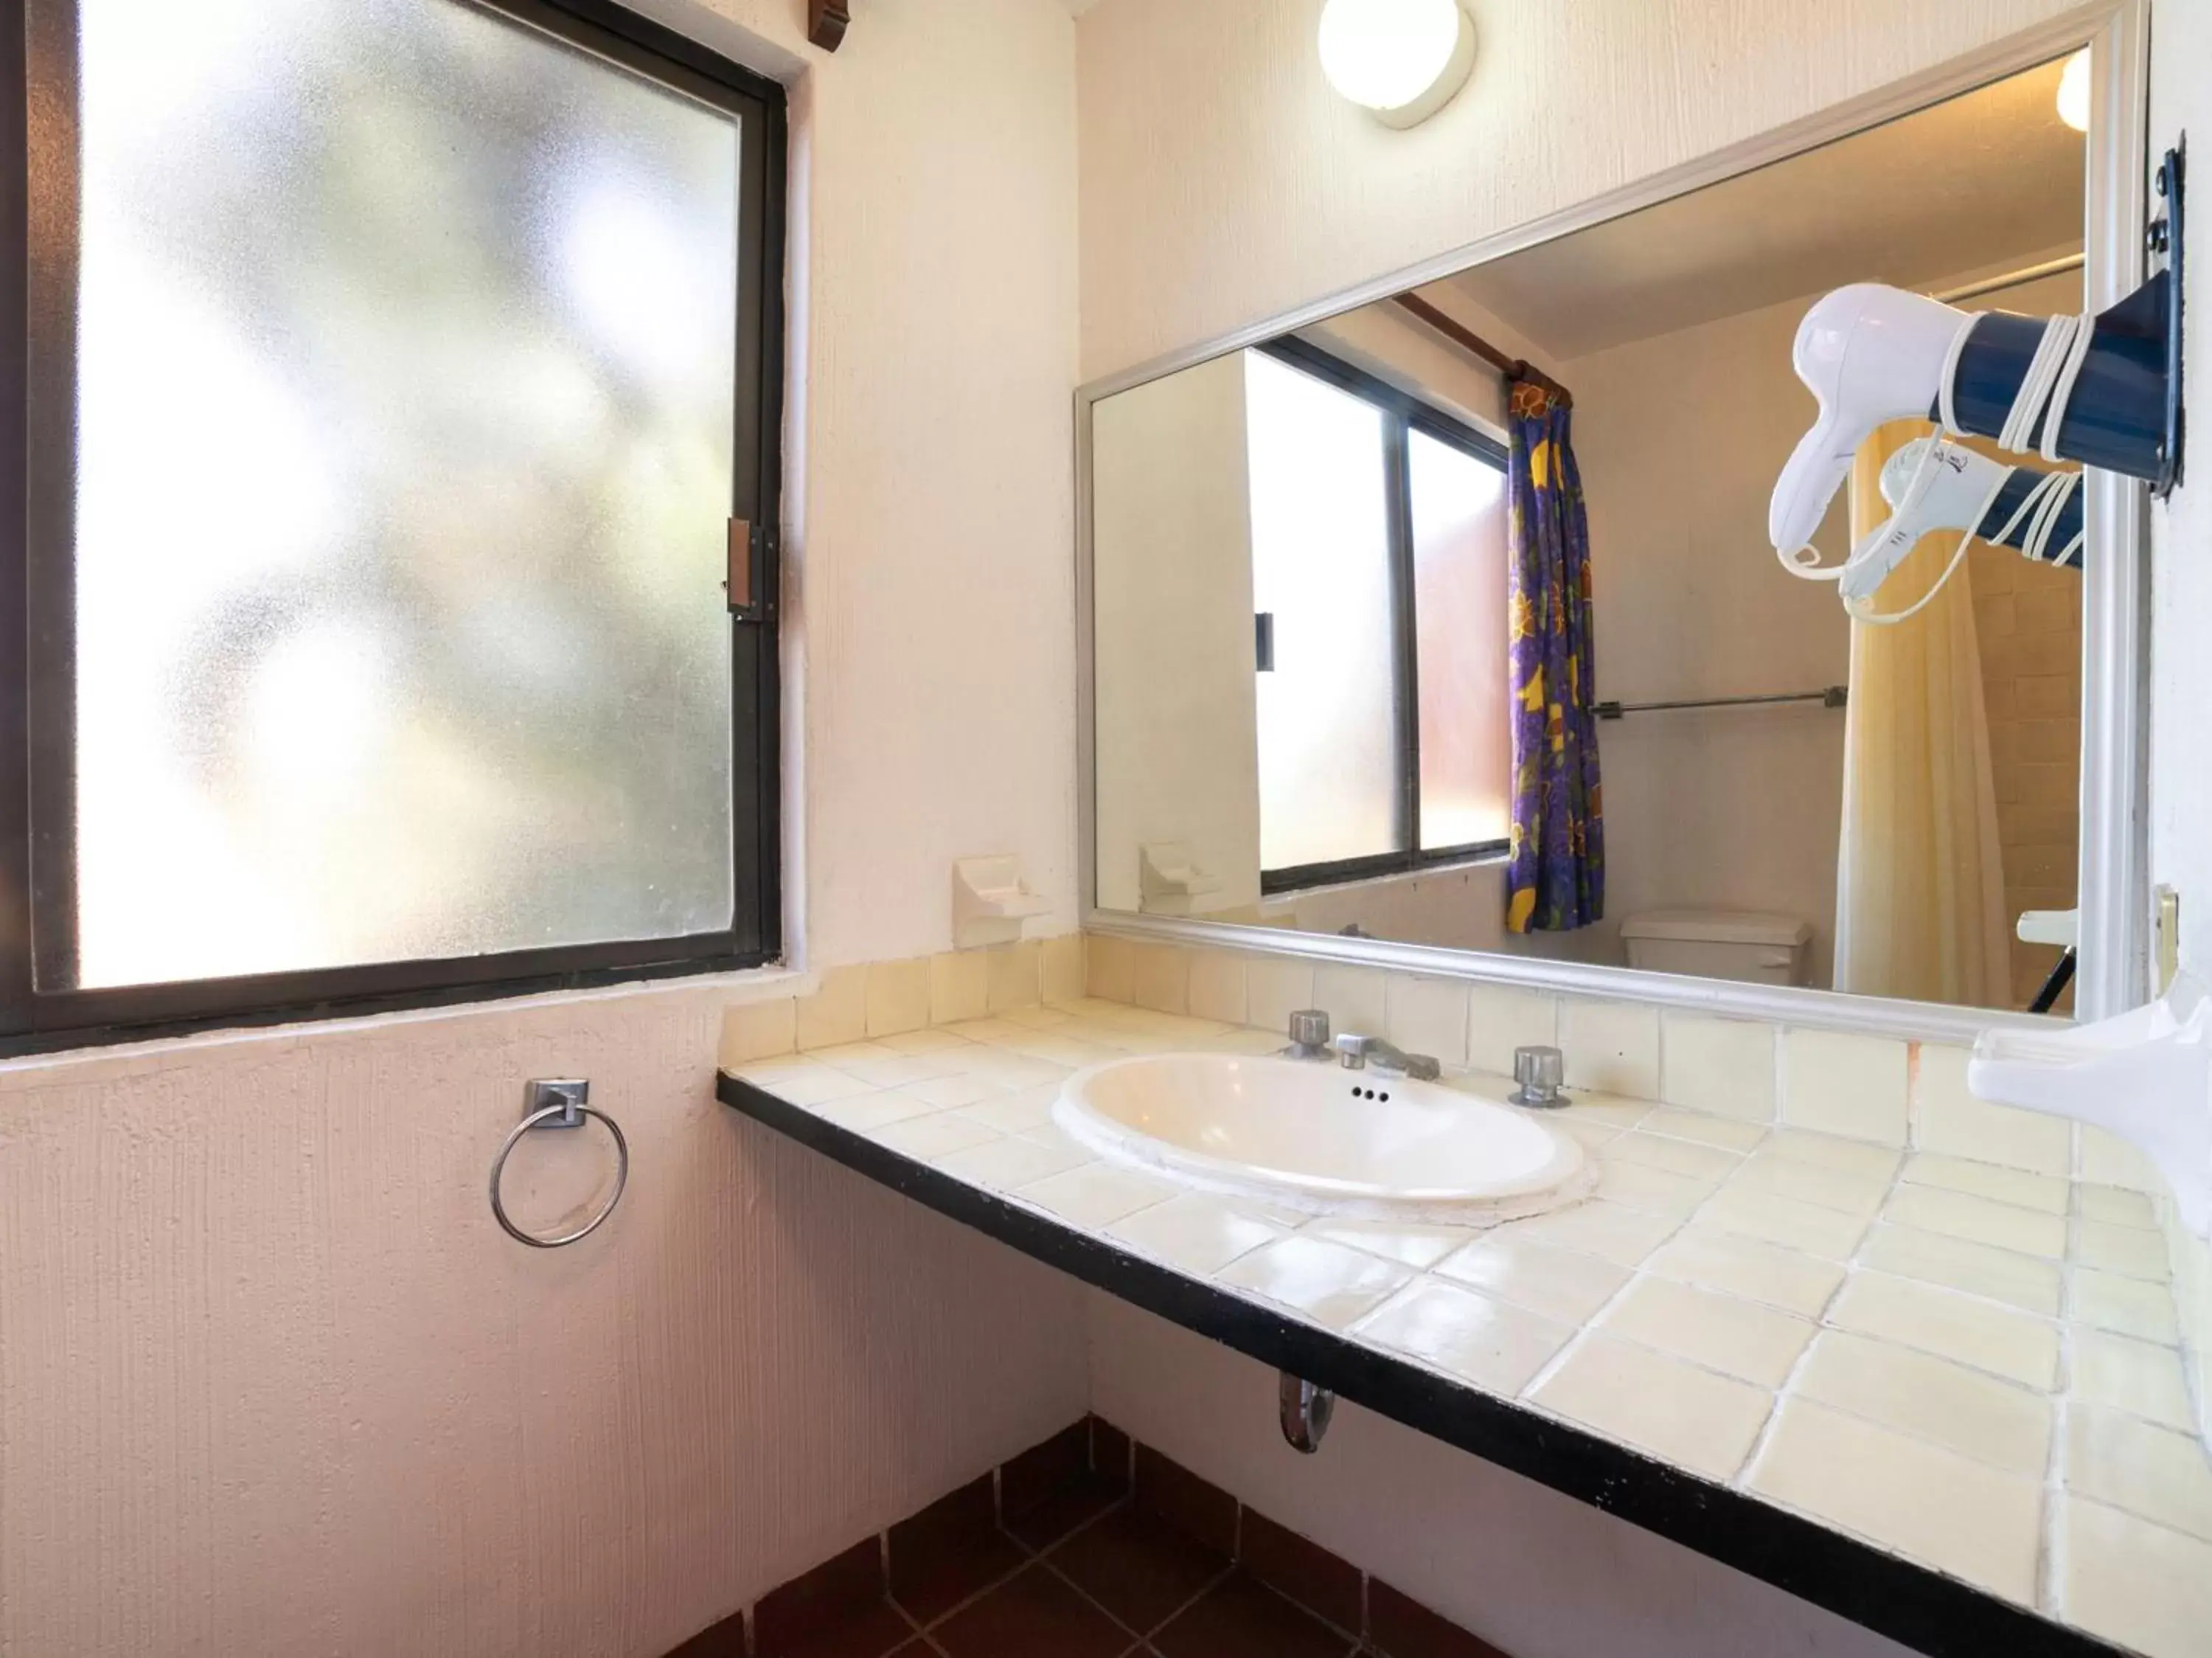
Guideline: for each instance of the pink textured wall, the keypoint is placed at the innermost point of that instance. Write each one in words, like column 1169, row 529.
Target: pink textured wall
column 271, row 1380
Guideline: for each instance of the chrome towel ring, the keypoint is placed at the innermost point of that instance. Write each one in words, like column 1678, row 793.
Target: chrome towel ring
column 557, row 1104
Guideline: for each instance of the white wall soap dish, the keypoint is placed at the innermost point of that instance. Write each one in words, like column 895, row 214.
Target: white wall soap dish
column 2146, row 1077
column 1169, row 881
column 990, row 901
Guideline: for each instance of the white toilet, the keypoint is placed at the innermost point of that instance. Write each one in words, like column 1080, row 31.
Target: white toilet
column 1741, row 944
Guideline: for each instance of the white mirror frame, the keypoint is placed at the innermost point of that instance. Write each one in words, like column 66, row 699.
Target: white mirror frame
column 2114, row 968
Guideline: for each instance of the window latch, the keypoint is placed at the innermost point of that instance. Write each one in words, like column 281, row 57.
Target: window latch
column 751, row 548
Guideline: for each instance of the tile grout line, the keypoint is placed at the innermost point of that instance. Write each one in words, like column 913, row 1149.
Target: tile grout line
column 1143, row 1638
column 2049, row 1545
column 1763, row 1442
column 1581, row 1340
column 1039, row 1556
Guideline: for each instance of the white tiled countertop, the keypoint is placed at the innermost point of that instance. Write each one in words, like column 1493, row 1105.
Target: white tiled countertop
column 1972, row 1367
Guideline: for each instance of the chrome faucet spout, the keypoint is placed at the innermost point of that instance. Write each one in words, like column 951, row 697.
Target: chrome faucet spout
column 1356, row 1053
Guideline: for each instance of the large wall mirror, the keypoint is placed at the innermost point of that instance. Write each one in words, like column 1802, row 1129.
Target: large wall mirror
column 1316, row 570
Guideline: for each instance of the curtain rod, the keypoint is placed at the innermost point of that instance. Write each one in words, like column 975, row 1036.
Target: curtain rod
column 1834, row 696
column 1465, row 338
column 2014, row 278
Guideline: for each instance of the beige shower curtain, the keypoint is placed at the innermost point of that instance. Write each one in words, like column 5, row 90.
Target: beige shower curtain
column 1920, row 880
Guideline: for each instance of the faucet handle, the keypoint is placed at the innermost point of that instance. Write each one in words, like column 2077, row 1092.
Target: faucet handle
column 1309, row 1034
column 1539, row 1071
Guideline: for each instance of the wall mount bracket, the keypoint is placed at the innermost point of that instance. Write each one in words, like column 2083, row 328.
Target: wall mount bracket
column 2165, row 235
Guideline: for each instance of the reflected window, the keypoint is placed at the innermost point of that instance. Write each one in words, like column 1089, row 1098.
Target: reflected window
column 1458, row 513
column 1321, row 575
column 1379, row 578
column 398, row 387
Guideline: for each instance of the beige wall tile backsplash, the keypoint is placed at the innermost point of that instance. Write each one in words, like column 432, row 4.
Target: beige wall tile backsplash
column 898, row 996
column 1611, row 1046
column 837, row 1012
column 1113, row 968
column 1725, row 1066
column 1061, row 971
column 1355, row 998
column 1275, row 987
column 1500, row 1019
column 1013, row 976
column 1427, row 1015
column 1159, row 978
column 1217, row 986
column 1838, row 1083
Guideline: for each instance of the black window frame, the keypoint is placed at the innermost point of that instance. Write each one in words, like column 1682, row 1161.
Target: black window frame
column 1403, row 414
column 39, row 202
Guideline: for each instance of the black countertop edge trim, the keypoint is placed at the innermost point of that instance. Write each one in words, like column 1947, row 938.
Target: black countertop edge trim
column 1931, row 1613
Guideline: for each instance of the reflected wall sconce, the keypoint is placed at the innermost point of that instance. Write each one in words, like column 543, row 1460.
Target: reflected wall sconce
column 1401, row 60
column 2074, row 91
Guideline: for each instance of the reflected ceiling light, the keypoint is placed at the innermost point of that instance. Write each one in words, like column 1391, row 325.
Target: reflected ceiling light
column 1402, row 59
column 2073, row 92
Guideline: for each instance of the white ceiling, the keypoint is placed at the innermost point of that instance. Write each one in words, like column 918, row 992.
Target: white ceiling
column 1987, row 177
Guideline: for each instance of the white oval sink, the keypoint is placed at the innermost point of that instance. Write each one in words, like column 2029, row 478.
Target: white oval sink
column 1314, row 1136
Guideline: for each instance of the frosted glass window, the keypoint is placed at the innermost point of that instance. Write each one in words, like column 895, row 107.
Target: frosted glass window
column 1321, row 566
column 405, row 401
column 1458, row 512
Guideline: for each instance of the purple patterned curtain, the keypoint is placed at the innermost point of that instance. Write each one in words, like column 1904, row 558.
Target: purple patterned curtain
column 1555, row 874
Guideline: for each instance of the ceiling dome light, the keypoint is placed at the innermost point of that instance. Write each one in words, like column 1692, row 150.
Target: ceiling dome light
column 1403, row 60
column 2073, row 92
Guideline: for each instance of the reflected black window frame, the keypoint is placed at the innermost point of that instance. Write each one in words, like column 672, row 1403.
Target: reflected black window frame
column 38, row 147
column 1403, row 415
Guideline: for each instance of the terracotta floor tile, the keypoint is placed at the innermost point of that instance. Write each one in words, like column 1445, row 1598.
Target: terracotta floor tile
column 1181, row 1498
column 949, row 1550
column 836, row 1611
column 1243, row 1618
column 724, row 1640
column 863, row 1632
column 1044, row 1471
column 1052, row 1518
column 1323, row 1584
column 1033, row 1615
column 1138, row 1567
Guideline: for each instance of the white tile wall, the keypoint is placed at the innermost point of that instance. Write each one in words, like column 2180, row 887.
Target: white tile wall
column 1159, row 977
column 1219, row 980
column 1275, row 988
column 1838, row 1083
column 1427, row 1015
column 1500, row 1019
column 1725, row 1066
column 1354, row 998
column 1612, row 1046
